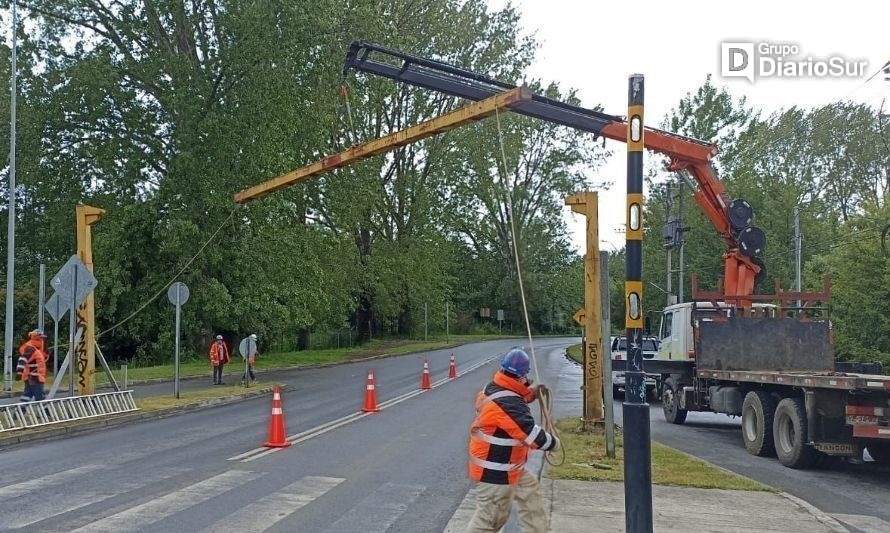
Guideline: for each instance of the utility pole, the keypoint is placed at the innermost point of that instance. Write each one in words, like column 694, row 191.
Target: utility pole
column 680, row 230
column 637, row 445
column 446, row 322
column 41, row 297
column 587, row 204
column 608, row 397
column 798, row 242
column 10, row 235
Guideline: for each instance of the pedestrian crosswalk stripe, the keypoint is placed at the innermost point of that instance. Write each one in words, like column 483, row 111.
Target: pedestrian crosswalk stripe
column 70, row 500
column 464, row 513
column 171, row 503
column 377, row 512
column 269, row 510
column 52, row 480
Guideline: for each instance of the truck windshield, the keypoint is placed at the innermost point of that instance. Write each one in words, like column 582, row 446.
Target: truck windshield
column 649, row 345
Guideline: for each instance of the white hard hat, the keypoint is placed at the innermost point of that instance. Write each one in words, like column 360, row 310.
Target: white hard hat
column 219, row 337
column 253, row 336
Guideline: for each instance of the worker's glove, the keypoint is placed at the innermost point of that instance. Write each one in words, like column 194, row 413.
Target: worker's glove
column 556, row 444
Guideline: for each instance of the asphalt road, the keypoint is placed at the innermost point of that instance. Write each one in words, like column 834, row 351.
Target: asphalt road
column 403, row 469
column 855, row 491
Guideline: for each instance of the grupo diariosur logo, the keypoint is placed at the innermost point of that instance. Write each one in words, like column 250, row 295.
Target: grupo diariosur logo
column 765, row 59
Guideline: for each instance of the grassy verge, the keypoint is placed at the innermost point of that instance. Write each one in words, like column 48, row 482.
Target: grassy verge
column 574, row 351
column 156, row 403
column 586, row 461
column 272, row 361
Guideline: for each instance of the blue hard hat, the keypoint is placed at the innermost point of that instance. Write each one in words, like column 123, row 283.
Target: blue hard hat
column 516, row 362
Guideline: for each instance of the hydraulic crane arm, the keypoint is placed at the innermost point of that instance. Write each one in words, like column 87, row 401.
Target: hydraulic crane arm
column 691, row 157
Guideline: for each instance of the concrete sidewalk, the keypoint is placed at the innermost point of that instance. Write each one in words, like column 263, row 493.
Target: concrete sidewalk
column 584, row 507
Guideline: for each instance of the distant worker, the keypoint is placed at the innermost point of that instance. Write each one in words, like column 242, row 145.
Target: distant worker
column 31, row 369
column 219, row 357
column 251, row 358
column 35, row 339
column 500, row 438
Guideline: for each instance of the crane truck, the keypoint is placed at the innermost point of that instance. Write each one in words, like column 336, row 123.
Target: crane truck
column 766, row 358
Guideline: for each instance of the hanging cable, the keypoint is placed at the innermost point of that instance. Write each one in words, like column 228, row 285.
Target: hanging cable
column 183, row 269
column 545, row 398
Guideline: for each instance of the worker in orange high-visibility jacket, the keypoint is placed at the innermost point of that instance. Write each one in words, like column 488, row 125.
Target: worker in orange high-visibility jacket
column 31, row 369
column 36, row 339
column 219, row 357
column 500, row 437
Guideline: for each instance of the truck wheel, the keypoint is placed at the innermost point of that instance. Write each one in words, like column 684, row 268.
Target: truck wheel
column 757, row 423
column 790, row 434
column 670, row 402
column 880, row 452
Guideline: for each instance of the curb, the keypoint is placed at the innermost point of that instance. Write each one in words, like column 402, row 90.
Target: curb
column 817, row 513
column 298, row 367
column 61, row 430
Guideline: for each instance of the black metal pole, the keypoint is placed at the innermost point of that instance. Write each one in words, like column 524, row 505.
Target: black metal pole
column 637, row 456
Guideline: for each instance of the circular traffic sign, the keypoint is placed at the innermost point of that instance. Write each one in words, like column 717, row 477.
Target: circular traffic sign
column 178, row 293
column 247, row 346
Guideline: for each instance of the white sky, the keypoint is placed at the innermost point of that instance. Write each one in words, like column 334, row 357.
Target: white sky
column 586, row 45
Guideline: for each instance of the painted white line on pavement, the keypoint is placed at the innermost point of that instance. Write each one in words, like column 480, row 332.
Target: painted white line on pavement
column 377, row 512
column 52, row 480
column 136, row 518
column 273, row 508
column 73, row 500
column 297, row 438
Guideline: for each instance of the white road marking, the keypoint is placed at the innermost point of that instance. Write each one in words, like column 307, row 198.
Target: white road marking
column 73, row 500
column 171, row 503
column 377, row 512
column 257, row 453
column 52, row 480
column 273, row 508
column 463, row 514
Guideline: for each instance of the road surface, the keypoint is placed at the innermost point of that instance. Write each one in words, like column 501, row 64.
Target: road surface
column 403, row 469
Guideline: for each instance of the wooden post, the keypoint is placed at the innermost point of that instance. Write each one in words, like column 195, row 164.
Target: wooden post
column 85, row 355
column 585, row 203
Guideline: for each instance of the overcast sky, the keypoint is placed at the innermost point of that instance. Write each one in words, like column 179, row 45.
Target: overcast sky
column 586, row 45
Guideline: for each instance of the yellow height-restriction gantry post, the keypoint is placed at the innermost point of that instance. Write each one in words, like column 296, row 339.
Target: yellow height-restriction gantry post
column 585, row 203
column 86, row 313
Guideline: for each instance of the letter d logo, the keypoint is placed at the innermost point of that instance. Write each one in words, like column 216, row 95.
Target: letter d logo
column 737, row 60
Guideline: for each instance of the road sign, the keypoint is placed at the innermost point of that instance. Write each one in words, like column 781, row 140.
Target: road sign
column 247, row 347
column 580, row 317
column 74, row 280
column 500, row 315
column 178, row 293
column 56, row 307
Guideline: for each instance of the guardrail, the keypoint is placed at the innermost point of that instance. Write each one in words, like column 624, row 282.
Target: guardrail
column 35, row 414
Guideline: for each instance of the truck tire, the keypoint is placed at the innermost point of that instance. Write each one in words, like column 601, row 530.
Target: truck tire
column 880, row 452
column 790, row 434
column 757, row 423
column 670, row 402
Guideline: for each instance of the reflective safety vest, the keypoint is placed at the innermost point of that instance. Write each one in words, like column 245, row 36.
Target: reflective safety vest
column 35, row 366
column 503, row 432
column 219, row 353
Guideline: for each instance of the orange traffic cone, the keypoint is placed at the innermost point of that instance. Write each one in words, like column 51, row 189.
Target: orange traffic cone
column 277, row 433
column 425, row 380
column 452, row 369
column 370, row 395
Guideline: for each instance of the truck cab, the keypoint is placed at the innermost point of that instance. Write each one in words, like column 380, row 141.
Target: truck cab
column 675, row 333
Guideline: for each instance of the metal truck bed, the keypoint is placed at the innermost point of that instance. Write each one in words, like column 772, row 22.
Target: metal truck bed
column 827, row 380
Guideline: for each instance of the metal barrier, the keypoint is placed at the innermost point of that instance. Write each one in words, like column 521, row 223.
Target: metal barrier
column 33, row 414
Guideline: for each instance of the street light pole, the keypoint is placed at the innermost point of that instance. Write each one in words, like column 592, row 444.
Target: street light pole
column 10, row 235
column 637, row 446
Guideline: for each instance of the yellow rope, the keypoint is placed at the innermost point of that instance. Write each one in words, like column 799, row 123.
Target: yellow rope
column 545, row 399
